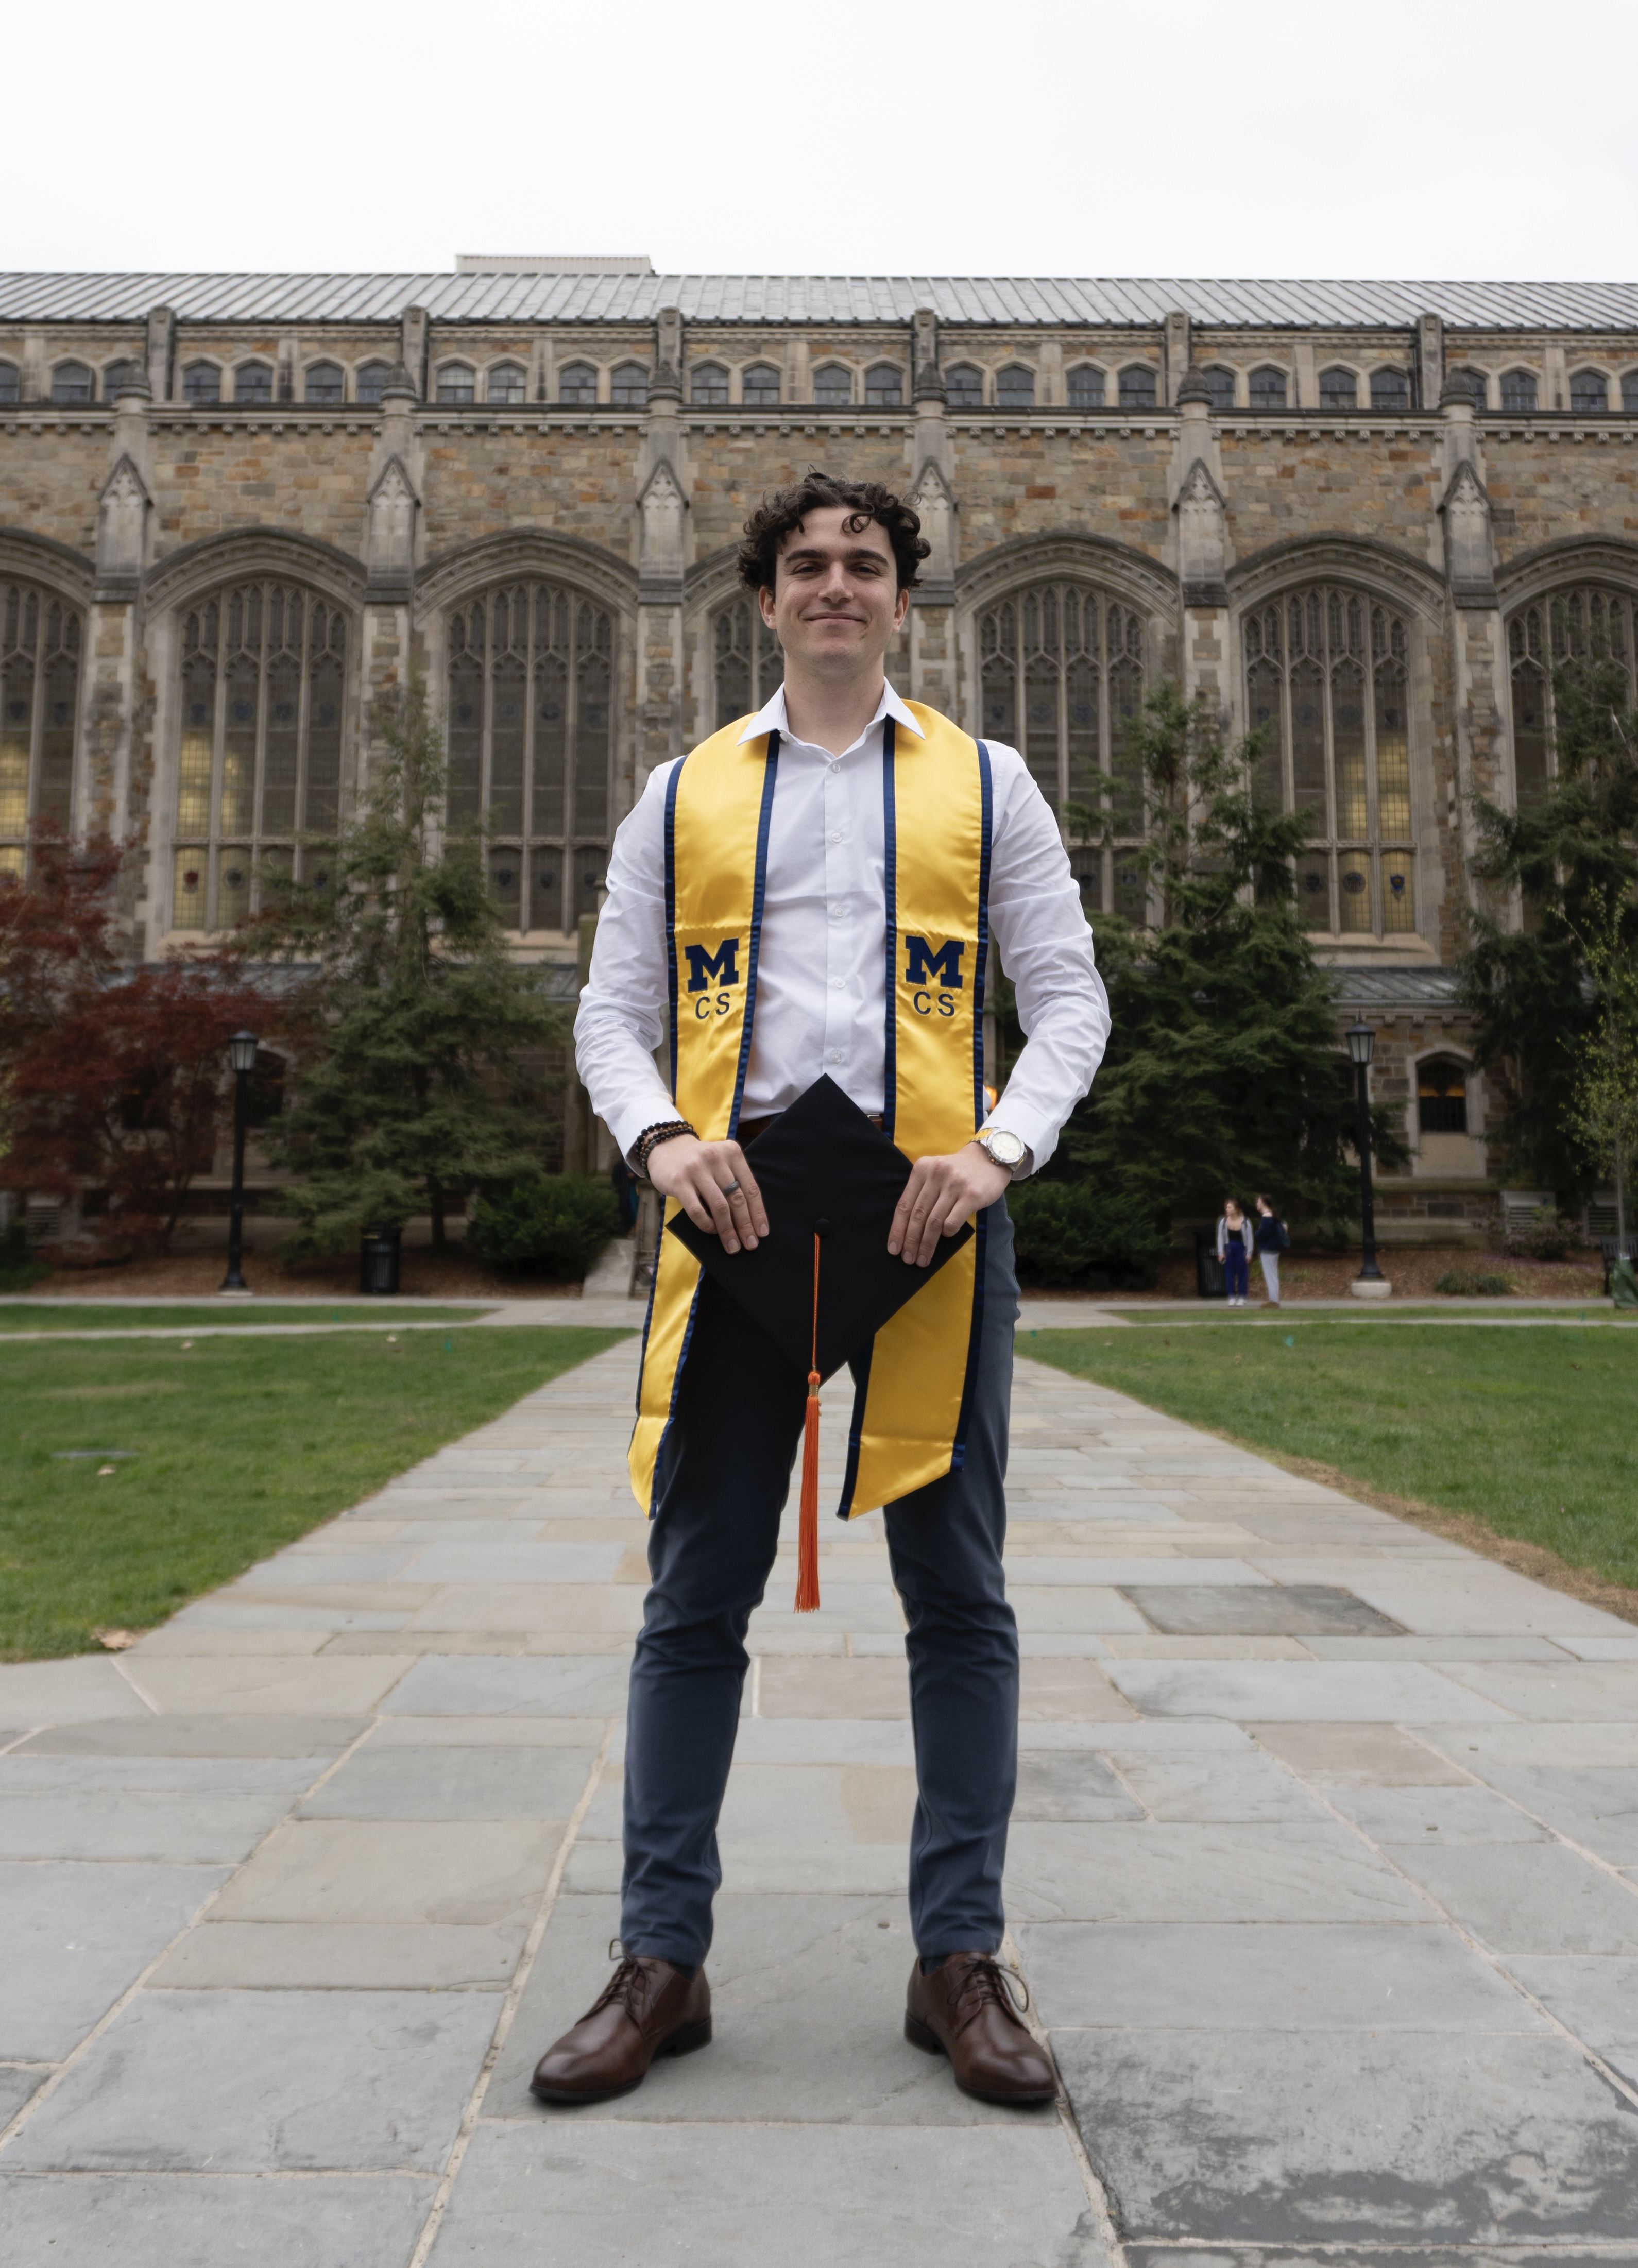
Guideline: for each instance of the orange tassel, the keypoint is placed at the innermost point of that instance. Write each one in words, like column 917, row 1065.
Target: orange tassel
column 808, row 1531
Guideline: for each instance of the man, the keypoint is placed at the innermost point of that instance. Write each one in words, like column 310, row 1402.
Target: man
column 753, row 895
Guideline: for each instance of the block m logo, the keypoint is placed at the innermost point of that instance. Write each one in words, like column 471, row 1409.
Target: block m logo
column 705, row 968
column 924, row 966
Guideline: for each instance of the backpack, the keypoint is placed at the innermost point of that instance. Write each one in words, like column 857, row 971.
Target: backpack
column 1285, row 1236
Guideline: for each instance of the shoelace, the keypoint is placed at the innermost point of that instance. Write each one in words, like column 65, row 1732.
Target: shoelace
column 628, row 1986
column 988, row 1983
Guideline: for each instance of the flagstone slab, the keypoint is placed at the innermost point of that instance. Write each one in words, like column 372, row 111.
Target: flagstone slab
column 1175, row 1871
column 491, row 1873
column 1526, row 1897
column 450, row 1783
column 326, row 1687
column 1208, row 1787
column 265, row 2083
column 1290, row 1609
column 87, row 1689
column 1068, row 1784
column 164, row 1824
column 1359, row 1756
column 1392, row 1815
column 1602, row 1693
column 76, row 1936
column 228, row 1735
column 617, row 2190
column 336, row 1956
column 558, row 1685
column 1278, row 2137
column 1355, row 1691
column 1593, row 1805
column 168, row 2220
column 18, row 2082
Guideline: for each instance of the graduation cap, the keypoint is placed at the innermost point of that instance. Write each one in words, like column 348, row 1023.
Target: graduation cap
column 822, row 1283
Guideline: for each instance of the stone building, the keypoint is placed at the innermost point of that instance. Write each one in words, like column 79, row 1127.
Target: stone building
column 233, row 509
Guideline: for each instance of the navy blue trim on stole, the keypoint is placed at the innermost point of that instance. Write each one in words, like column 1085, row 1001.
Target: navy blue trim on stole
column 671, row 918
column 765, row 819
column 855, row 1427
column 958, row 1455
column 890, row 893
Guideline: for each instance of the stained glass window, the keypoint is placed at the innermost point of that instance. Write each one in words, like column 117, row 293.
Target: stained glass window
column 1014, row 388
column 746, row 663
column 577, row 385
column 1137, row 386
column 1338, row 389
column 1085, row 388
column 455, row 383
column 1268, row 388
column 259, row 769
column 1590, row 389
column 1442, row 1097
column 884, row 386
column 202, row 383
column 708, row 388
column 531, row 685
column 1062, row 672
column 1570, row 629
column 1518, row 390
column 1391, row 389
column 72, row 382
column 760, row 387
column 833, row 386
column 252, row 381
column 508, row 381
column 327, row 381
column 40, row 660
column 1327, row 682
column 628, row 388
column 964, row 387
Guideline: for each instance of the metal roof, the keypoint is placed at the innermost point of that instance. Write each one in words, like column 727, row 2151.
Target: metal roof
column 1395, row 988
column 832, row 299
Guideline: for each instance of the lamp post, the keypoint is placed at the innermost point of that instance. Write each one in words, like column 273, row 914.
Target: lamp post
column 241, row 1054
column 1362, row 1045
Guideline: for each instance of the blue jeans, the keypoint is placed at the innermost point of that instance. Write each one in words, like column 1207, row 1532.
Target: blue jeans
column 1235, row 1272
column 711, row 1549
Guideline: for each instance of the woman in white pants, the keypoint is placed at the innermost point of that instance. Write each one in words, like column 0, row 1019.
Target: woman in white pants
column 1271, row 1241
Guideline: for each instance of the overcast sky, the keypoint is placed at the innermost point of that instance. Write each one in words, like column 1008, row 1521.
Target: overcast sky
column 1427, row 140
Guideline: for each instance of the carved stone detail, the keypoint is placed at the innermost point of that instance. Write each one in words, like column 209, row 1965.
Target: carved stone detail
column 389, row 549
column 123, row 512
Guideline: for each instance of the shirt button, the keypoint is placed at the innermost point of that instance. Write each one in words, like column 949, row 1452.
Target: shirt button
column 835, row 1055
column 835, row 767
column 837, row 984
column 836, row 913
column 835, row 838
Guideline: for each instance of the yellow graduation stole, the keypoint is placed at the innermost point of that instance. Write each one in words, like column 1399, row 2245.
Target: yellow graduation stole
column 909, row 1407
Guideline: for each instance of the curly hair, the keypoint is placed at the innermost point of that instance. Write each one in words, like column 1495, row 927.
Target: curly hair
column 782, row 513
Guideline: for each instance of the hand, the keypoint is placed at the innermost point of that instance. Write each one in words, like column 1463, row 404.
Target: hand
column 938, row 1198
column 698, row 1173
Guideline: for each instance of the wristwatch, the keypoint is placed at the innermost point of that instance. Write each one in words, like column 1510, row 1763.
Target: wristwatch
column 1004, row 1148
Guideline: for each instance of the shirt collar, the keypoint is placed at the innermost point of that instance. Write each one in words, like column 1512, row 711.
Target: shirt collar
column 772, row 717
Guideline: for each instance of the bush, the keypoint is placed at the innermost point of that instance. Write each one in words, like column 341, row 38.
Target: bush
column 1547, row 1236
column 549, row 1223
column 1475, row 1284
column 1071, row 1234
column 19, row 1271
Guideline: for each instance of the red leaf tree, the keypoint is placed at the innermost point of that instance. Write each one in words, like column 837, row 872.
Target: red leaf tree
column 113, row 1081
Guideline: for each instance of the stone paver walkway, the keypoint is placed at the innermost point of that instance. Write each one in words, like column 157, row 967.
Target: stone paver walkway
column 1324, row 1874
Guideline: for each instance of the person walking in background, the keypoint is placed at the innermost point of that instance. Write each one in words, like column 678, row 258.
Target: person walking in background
column 1234, row 1249
column 1271, row 1239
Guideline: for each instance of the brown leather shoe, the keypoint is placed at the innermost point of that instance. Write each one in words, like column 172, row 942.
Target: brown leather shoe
column 966, row 2010
column 647, row 2009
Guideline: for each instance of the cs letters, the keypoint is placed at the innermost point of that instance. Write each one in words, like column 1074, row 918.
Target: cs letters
column 925, row 965
column 702, row 966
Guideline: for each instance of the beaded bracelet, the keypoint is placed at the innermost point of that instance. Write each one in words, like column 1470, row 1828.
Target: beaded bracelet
column 649, row 1140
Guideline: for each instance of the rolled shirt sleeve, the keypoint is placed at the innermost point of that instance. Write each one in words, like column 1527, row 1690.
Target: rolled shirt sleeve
column 624, row 1007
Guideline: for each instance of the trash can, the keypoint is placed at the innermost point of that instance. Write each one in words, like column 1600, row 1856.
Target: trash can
column 378, row 1262
column 1209, row 1279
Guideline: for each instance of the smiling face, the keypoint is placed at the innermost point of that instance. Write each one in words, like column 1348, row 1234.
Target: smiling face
column 836, row 600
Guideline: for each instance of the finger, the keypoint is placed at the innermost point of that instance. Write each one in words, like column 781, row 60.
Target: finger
column 899, row 1227
column 740, row 1210
column 923, row 1233
column 709, row 1190
column 747, row 1181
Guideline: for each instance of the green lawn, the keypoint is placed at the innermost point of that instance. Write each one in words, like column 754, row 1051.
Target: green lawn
column 1534, row 1433
column 88, row 1315
column 240, row 1445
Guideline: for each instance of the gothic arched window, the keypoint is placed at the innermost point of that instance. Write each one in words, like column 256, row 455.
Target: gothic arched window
column 326, row 382
column 1518, row 391
column 1590, row 389
column 1327, row 680
column 1086, row 387
column 577, row 385
column 760, row 387
column 202, row 383
column 531, row 690
column 507, row 381
column 1474, row 383
column 456, row 383
column 260, row 765
column 1061, row 672
column 371, row 381
column 9, row 387
column 1338, row 389
column 964, row 387
column 746, row 663
column 1137, row 386
column 1629, row 390
column 39, row 650
column 884, row 386
column 1569, row 629
column 118, row 376
column 708, row 385
column 252, row 381
column 833, row 386
column 1391, row 389
column 628, row 388
column 72, row 382
column 1219, row 384
column 1442, row 1096
column 1014, row 388
column 1268, row 388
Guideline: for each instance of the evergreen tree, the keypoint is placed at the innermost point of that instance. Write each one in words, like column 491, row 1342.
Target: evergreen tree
column 418, row 1043
column 1569, row 856
column 1603, row 1115
column 1223, row 1073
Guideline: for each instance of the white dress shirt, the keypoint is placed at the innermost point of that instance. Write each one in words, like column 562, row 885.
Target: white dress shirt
column 821, row 980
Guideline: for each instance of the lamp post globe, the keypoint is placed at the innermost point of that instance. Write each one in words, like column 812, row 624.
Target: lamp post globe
column 242, row 1056
column 1361, row 1040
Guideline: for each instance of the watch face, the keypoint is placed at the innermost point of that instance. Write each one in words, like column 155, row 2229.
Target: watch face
column 1005, row 1149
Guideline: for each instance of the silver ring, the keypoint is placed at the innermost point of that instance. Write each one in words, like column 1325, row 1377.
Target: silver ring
column 728, row 1188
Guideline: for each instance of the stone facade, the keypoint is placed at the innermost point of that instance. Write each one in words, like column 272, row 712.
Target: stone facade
column 540, row 509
